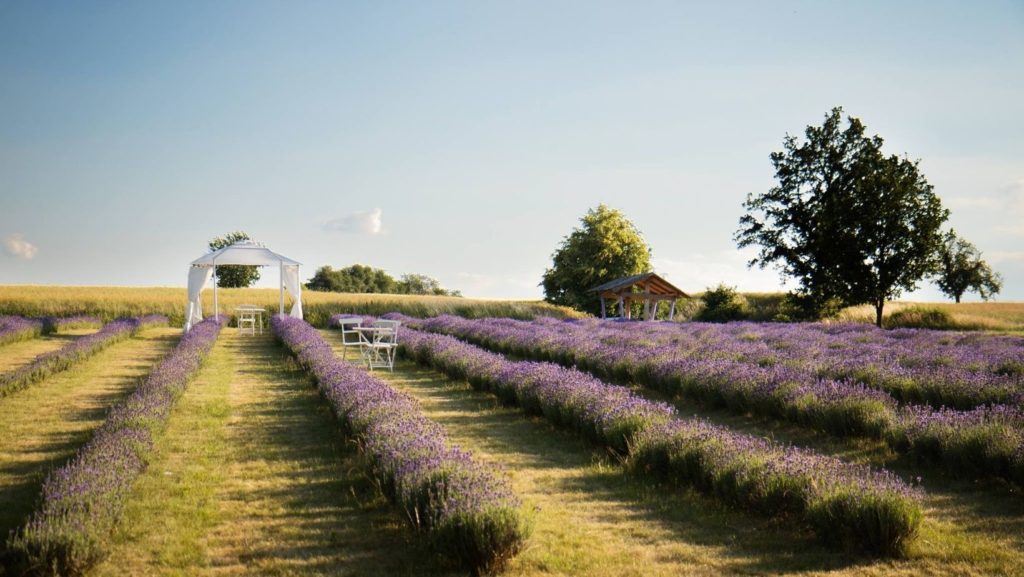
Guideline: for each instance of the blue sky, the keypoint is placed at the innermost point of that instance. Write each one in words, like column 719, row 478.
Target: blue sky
column 464, row 140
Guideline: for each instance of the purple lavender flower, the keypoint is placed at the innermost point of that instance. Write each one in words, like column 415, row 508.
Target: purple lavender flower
column 844, row 379
column 18, row 329
column 469, row 511
column 83, row 500
column 843, row 502
column 55, row 361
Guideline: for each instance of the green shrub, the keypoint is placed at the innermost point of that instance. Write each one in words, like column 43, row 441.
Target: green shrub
column 722, row 304
column 920, row 318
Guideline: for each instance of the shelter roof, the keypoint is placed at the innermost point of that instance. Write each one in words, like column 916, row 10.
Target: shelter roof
column 650, row 282
column 245, row 253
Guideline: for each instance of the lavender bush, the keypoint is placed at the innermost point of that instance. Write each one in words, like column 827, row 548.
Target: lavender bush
column 333, row 323
column 55, row 361
column 850, row 504
column 83, row 500
column 58, row 324
column 18, row 329
column 469, row 511
column 766, row 370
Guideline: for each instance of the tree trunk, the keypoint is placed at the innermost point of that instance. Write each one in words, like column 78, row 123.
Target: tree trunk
column 878, row 313
column 957, row 299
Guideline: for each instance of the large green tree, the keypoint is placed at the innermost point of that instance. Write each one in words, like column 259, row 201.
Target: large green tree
column 365, row 279
column 605, row 247
column 846, row 221
column 234, row 276
column 961, row 269
column 353, row 279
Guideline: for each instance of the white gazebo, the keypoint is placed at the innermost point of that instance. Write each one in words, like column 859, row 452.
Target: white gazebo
column 241, row 253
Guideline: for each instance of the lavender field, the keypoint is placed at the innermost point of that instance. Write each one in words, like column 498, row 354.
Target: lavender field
column 505, row 447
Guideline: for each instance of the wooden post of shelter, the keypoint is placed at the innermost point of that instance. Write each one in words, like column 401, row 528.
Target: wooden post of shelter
column 648, row 288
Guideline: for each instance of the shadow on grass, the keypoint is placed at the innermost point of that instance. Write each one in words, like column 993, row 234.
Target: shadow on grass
column 23, row 470
column 742, row 543
column 984, row 506
column 329, row 516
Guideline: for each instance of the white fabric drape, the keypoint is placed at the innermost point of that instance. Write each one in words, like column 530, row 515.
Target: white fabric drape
column 197, row 279
column 290, row 278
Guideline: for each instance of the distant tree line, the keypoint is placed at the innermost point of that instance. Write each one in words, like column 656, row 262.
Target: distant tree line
column 365, row 279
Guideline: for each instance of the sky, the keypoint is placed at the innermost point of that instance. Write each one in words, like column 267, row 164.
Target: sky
column 464, row 140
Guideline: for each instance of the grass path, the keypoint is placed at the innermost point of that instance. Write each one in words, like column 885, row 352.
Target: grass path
column 252, row 477
column 42, row 426
column 593, row 520
column 16, row 354
column 589, row 518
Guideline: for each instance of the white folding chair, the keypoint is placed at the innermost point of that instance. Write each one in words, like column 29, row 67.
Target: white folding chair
column 350, row 337
column 249, row 316
column 379, row 351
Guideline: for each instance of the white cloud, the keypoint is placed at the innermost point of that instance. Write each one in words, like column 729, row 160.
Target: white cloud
column 16, row 245
column 360, row 222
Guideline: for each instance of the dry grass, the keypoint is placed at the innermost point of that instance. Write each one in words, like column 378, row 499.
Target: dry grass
column 591, row 519
column 41, row 427
column 112, row 302
column 14, row 355
column 252, row 478
column 990, row 316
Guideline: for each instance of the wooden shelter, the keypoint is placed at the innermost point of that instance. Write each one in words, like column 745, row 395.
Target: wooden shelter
column 648, row 288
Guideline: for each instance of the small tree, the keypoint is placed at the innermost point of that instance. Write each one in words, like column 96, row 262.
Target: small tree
column 234, row 276
column 846, row 221
column 607, row 246
column 421, row 284
column 961, row 269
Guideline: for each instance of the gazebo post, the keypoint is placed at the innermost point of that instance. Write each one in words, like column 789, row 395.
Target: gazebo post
column 602, row 307
column 622, row 309
column 216, row 281
column 281, row 310
column 672, row 311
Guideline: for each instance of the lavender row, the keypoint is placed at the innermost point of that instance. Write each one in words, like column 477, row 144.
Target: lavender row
column 914, row 366
column 840, row 407
column 468, row 511
column 63, row 358
column 18, row 329
column 59, row 324
column 83, row 500
column 843, row 503
column 987, row 440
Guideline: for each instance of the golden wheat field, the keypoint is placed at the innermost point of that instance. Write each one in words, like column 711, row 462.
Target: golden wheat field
column 113, row 302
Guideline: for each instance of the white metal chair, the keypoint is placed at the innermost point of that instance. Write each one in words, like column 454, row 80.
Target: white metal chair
column 350, row 337
column 379, row 349
column 249, row 317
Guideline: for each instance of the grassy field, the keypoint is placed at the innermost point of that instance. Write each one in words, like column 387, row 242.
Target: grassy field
column 990, row 316
column 113, row 302
column 43, row 425
column 592, row 519
column 254, row 477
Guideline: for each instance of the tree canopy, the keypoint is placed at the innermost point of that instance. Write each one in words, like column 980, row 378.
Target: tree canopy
column 845, row 220
column 605, row 247
column 961, row 269
column 234, row 275
column 365, row 279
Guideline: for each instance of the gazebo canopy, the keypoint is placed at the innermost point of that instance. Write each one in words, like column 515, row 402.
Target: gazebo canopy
column 246, row 253
column 648, row 288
